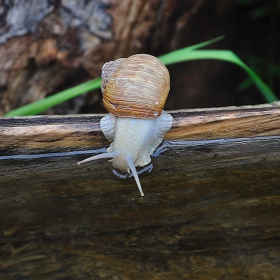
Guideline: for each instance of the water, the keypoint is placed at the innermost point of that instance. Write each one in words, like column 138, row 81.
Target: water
column 211, row 211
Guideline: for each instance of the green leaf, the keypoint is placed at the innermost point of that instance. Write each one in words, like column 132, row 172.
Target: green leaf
column 198, row 46
column 53, row 100
column 224, row 55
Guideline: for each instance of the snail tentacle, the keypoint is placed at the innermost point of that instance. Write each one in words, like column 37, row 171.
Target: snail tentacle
column 135, row 175
column 104, row 155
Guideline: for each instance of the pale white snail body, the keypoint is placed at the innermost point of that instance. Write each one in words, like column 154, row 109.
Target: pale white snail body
column 134, row 92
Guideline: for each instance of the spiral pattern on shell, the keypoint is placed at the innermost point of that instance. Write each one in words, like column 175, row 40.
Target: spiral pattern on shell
column 135, row 87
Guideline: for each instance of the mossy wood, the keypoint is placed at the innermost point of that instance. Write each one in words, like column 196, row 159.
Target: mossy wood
column 214, row 187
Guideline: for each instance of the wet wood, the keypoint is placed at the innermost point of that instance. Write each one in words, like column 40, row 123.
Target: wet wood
column 56, row 133
column 211, row 199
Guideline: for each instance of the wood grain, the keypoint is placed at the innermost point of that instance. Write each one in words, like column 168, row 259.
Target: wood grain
column 210, row 199
column 44, row 133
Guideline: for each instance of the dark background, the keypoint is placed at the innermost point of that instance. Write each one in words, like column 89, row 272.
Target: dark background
column 52, row 45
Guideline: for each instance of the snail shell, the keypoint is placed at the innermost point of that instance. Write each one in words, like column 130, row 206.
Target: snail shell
column 135, row 87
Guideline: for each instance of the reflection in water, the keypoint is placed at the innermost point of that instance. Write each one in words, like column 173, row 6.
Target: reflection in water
column 147, row 168
column 212, row 213
column 49, row 155
column 146, row 254
column 161, row 149
column 193, row 143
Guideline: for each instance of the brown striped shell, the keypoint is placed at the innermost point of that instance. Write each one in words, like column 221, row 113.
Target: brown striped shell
column 135, row 87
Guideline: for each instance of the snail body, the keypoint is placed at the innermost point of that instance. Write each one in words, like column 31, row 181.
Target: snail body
column 134, row 92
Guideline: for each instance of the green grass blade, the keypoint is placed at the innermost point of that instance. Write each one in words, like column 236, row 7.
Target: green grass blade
column 224, row 55
column 53, row 100
column 198, row 46
column 185, row 54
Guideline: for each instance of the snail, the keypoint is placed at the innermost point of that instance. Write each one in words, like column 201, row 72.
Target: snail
column 134, row 93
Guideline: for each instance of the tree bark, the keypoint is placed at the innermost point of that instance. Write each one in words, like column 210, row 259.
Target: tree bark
column 49, row 45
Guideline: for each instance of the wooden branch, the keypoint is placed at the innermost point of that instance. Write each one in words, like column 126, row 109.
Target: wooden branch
column 214, row 183
column 56, row 133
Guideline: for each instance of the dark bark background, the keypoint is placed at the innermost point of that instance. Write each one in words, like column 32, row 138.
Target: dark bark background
column 50, row 45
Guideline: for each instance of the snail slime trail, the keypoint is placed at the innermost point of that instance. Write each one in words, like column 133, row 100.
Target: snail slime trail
column 134, row 93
